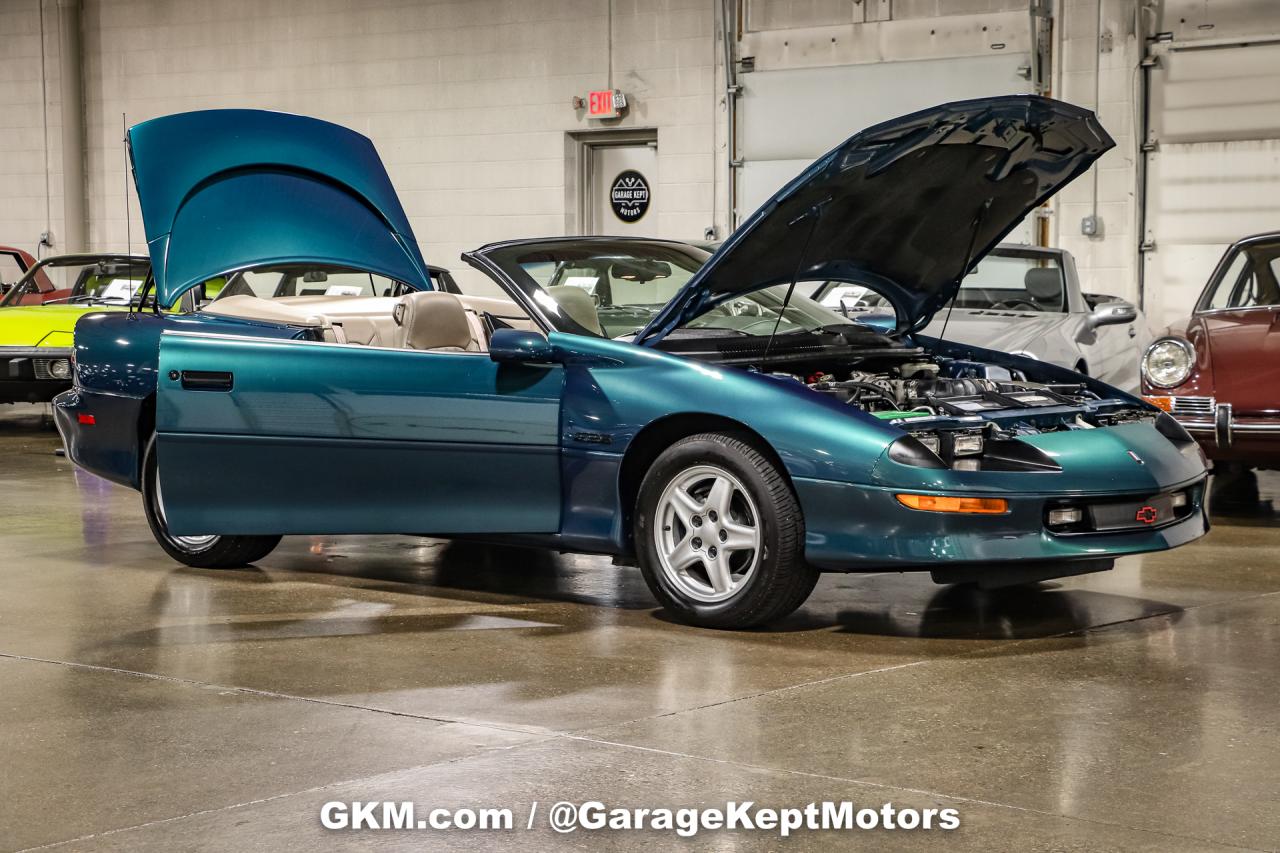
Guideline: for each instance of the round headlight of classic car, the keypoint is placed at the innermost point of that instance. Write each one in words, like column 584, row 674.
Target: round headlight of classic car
column 60, row 368
column 1168, row 362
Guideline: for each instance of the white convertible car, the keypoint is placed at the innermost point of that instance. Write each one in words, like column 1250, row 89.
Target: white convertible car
column 1026, row 300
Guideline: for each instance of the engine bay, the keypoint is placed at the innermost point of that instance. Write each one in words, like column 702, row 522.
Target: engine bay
column 967, row 414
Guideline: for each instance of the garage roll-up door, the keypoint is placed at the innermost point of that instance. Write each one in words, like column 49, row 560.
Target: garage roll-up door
column 1213, row 174
column 789, row 118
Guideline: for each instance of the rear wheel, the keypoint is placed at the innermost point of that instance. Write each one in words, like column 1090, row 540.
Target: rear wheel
column 201, row 552
column 720, row 535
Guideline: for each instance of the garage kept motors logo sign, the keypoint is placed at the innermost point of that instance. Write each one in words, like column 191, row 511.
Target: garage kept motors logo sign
column 629, row 195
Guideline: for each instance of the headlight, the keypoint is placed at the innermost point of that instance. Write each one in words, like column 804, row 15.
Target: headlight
column 51, row 368
column 1168, row 362
column 930, row 441
column 939, row 450
column 909, row 450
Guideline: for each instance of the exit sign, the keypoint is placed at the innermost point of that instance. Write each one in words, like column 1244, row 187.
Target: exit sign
column 606, row 103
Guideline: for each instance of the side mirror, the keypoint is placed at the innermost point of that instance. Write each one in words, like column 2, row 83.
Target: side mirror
column 1117, row 313
column 509, row 346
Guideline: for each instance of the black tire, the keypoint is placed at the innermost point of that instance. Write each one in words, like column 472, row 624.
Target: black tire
column 1234, row 483
column 779, row 581
column 212, row 552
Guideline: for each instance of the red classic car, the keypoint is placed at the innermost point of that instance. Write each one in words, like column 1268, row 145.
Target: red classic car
column 14, row 264
column 1218, row 372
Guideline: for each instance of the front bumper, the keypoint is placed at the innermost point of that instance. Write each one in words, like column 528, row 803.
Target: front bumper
column 27, row 373
column 862, row 528
column 1227, row 436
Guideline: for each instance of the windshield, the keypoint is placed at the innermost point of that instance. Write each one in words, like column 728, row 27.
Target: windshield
column 101, row 280
column 285, row 281
column 845, row 297
column 1014, row 281
column 613, row 288
column 761, row 312
column 1008, row 279
column 1250, row 280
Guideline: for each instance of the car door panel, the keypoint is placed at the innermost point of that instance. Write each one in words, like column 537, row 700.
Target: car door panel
column 1118, row 349
column 270, row 436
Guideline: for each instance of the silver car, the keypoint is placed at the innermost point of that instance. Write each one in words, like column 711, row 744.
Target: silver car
column 1026, row 300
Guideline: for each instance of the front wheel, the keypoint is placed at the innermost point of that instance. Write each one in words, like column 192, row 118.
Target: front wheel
column 201, row 552
column 720, row 535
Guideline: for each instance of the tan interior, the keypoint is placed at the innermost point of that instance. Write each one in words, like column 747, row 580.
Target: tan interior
column 579, row 305
column 429, row 320
column 436, row 321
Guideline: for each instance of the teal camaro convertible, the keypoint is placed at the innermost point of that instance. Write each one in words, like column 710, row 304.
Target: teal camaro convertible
column 694, row 413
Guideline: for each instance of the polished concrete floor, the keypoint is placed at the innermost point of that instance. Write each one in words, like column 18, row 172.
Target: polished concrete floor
column 146, row 706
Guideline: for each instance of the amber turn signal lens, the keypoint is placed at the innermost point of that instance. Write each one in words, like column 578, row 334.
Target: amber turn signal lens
column 1164, row 404
column 946, row 503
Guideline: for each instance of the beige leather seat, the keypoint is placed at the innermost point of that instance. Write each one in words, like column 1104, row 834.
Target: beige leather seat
column 579, row 305
column 434, row 320
column 355, row 330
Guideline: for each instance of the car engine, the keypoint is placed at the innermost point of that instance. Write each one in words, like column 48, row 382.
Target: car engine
column 968, row 414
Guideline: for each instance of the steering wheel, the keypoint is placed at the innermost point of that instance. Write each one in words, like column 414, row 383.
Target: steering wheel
column 1008, row 305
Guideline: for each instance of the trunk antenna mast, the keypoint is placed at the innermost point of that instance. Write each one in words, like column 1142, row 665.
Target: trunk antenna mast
column 124, row 139
column 128, row 229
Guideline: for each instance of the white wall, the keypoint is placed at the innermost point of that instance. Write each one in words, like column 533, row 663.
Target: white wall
column 1107, row 262
column 23, row 213
column 467, row 101
column 955, row 31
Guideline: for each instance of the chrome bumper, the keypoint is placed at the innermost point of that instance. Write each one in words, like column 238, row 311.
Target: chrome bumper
column 1224, row 427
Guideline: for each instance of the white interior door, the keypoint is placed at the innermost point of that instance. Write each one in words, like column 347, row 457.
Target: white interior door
column 623, row 196
column 1213, row 174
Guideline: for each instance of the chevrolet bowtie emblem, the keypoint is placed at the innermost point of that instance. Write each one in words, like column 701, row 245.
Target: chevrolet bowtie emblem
column 1135, row 457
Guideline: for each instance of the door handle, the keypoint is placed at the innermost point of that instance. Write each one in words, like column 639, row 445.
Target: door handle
column 207, row 380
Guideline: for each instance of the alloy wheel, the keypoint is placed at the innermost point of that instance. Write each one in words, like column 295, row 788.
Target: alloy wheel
column 190, row 543
column 707, row 534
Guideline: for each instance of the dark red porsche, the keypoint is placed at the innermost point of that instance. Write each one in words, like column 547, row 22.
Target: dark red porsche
column 1218, row 372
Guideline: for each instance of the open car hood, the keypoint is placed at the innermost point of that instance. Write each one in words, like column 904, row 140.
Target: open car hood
column 222, row 190
column 902, row 206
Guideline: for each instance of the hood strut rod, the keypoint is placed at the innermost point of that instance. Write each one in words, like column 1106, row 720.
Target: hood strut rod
column 968, row 259
column 815, row 213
